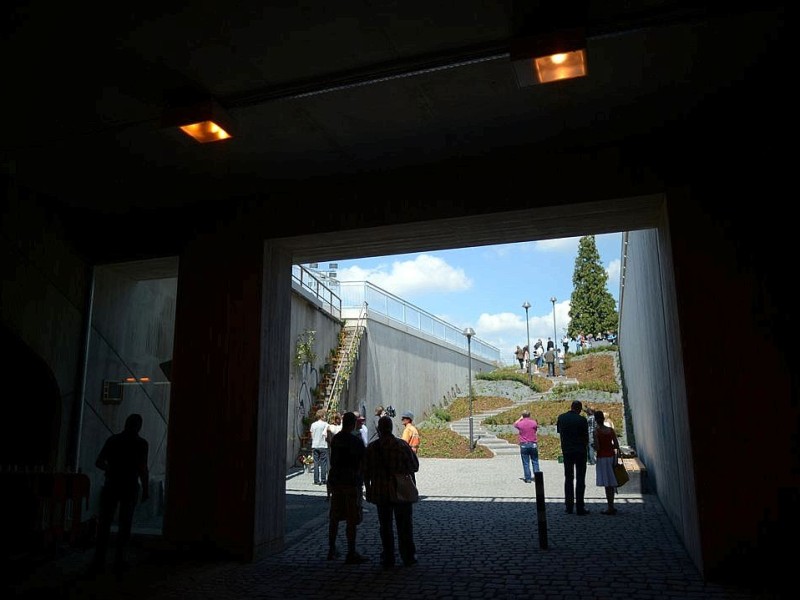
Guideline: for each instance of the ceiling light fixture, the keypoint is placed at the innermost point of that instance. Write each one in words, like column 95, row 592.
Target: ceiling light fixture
column 549, row 57
column 205, row 122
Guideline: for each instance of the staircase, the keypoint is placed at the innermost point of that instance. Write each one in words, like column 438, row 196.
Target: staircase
column 483, row 436
column 343, row 361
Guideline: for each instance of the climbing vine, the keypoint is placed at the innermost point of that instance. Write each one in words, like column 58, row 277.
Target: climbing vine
column 304, row 351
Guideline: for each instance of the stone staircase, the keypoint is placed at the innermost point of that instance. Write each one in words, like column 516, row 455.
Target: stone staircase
column 343, row 362
column 481, row 435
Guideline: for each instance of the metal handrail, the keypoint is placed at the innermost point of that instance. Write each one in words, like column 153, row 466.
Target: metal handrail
column 315, row 287
column 353, row 293
column 338, row 383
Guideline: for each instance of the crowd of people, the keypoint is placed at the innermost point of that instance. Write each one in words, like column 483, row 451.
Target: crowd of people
column 542, row 356
column 358, row 462
column 553, row 358
column 585, row 440
column 355, row 464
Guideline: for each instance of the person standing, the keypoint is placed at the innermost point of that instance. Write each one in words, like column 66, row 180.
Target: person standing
column 528, row 445
column 345, row 481
column 550, row 359
column 608, row 453
column 520, row 356
column 591, row 452
column 562, row 364
column 573, row 429
column 361, row 428
column 410, row 433
column 123, row 458
column 565, row 343
column 379, row 412
column 550, row 344
column 319, row 448
column 539, row 356
column 384, row 458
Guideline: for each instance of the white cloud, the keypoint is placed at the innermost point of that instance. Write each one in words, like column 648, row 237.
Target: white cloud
column 560, row 245
column 507, row 330
column 506, row 323
column 422, row 275
column 613, row 270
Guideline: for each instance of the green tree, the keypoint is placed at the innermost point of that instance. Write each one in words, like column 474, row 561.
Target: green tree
column 592, row 307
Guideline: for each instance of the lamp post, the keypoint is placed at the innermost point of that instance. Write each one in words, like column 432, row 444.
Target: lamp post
column 526, row 305
column 469, row 332
column 555, row 337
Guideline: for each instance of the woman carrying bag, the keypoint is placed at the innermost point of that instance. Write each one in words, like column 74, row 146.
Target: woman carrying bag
column 608, row 454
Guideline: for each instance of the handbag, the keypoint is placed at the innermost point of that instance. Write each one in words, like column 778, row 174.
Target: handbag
column 621, row 474
column 403, row 489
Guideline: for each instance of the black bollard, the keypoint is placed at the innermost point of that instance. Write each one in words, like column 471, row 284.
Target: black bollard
column 541, row 512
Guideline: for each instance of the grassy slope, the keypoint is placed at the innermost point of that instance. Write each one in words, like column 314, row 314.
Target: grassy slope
column 593, row 371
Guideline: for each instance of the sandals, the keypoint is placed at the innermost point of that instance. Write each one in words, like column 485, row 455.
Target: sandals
column 609, row 511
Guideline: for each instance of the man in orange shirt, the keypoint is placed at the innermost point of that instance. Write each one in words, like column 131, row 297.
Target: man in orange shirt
column 410, row 433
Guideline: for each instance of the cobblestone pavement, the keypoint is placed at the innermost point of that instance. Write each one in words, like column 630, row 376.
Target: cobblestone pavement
column 478, row 534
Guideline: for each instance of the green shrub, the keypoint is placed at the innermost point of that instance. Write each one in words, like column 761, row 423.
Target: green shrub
column 536, row 383
column 441, row 414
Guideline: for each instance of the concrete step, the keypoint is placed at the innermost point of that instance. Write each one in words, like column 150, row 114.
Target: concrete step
column 482, row 436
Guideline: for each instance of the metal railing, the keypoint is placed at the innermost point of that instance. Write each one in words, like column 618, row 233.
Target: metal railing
column 344, row 370
column 354, row 294
column 313, row 286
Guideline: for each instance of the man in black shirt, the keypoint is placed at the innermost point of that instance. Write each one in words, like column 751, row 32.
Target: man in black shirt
column 124, row 460
column 573, row 428
column 345, row 481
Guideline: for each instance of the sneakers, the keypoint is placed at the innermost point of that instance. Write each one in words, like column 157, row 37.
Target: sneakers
column 355, row 559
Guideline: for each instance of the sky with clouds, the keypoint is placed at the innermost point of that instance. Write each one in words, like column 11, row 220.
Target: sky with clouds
column 485, row 287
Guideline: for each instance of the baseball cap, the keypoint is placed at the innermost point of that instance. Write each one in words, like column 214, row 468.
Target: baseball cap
column 407, row 415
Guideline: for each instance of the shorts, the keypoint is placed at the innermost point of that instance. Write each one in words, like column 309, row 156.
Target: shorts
column 346, row 504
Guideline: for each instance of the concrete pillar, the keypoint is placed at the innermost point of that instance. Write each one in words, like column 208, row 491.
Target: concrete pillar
column 226, row 451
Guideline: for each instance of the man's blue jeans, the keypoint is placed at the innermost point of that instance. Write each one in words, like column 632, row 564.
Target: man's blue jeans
column 320, row 465
column 529, row 452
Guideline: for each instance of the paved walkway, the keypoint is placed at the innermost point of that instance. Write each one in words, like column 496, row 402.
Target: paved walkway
column 478, row 534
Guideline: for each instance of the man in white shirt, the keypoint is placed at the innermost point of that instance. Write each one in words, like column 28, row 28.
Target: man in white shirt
column 361, row 428
column 319, row 448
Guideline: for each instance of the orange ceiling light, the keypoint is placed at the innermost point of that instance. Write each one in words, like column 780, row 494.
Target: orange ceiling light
column 205, row 131
column 204, row 122
column 549, row 57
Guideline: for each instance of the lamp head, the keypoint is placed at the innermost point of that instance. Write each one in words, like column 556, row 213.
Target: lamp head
column 526, row 305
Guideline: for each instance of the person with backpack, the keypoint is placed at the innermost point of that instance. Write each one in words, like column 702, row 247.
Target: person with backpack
column 410, row 432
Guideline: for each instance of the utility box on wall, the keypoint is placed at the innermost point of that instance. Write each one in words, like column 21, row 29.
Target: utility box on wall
column 112, row 392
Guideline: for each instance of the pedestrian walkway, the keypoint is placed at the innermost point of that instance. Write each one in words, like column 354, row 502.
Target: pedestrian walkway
column 479, row 534
column 518, row 393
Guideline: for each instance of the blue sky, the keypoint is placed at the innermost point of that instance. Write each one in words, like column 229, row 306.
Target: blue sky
column 485, row 287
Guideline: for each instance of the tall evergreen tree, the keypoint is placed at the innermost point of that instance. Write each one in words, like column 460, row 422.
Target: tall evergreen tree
column 592, row 307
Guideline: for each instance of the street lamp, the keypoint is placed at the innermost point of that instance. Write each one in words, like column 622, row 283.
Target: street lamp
column 469, row 332
column 555, row 337
column 526, row 306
